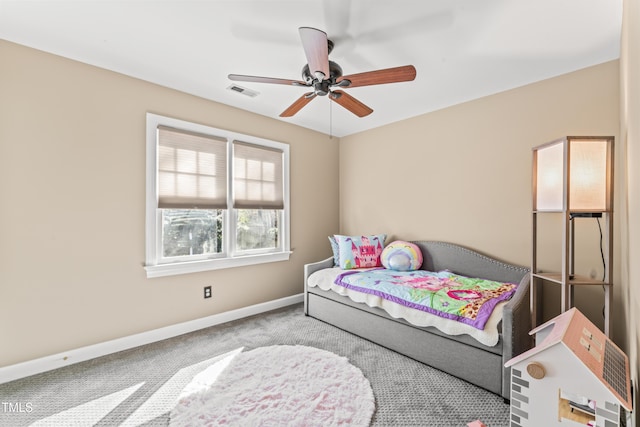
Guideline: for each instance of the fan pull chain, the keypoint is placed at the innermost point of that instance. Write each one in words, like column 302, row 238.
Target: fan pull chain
column 330, row 120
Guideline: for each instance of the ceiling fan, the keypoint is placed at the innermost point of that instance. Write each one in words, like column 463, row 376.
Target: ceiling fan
column 323, row 76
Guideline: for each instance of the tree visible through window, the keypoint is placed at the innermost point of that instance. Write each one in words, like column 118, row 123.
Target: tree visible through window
column 187, row 232
column 257, row 229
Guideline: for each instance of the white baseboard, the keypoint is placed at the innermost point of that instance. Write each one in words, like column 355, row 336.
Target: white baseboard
column 47, row 363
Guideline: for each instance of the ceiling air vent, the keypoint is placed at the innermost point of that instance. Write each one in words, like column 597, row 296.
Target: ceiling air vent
column 243, row 90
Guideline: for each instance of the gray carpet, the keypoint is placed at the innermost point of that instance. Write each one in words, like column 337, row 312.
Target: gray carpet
column 137, row 387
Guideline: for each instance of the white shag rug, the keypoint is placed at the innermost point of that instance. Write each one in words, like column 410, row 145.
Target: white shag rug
column 279, row 385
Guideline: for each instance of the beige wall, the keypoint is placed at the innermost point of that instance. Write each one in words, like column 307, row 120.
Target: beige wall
column 72, row 180
column 630, row 183
column 463, row 174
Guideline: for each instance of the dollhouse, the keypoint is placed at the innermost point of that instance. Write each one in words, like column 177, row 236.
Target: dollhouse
column 574, row 376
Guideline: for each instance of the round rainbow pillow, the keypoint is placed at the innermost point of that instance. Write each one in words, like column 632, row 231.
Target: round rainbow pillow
column 401, row 256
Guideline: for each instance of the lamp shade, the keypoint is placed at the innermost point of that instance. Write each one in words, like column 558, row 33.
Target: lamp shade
column 573, row 173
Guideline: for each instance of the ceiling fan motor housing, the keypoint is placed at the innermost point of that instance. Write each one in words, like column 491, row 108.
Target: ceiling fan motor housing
column 322, row 87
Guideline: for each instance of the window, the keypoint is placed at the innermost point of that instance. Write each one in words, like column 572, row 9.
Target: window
column 215, row 199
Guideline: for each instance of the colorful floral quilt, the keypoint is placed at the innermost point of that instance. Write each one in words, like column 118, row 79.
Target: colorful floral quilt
column 467, row 300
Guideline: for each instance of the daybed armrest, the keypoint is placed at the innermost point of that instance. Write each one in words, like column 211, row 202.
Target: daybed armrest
column 309, row 269
column 516, row 324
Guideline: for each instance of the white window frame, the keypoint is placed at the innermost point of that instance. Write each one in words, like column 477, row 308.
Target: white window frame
column 229, row 257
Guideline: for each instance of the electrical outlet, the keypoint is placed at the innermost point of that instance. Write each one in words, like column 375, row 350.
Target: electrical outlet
column 207, row 291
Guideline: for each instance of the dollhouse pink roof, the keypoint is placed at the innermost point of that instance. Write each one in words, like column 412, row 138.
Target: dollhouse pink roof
column 591, row 346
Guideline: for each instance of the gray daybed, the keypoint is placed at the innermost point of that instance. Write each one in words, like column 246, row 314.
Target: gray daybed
column 460, row 355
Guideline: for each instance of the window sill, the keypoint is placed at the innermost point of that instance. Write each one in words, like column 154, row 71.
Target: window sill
column 161, row 270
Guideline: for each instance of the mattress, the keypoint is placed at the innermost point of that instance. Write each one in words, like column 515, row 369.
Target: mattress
column 325, row 279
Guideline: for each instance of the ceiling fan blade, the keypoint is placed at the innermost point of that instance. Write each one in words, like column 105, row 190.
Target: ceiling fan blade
column 378, row 77
column 298, row 104
column 316, row 48
column 256, row 79
column 350, row 103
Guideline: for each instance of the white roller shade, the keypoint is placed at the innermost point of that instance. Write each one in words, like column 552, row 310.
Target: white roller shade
column 257, row 177
column 192, row 170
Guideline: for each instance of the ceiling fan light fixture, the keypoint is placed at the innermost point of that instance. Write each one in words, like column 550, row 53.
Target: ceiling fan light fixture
column 321, row 88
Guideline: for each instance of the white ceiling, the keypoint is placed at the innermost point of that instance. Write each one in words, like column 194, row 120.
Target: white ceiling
column 462, row 49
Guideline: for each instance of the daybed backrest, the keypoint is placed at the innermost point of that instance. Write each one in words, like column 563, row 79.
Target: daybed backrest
column 466, row 262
